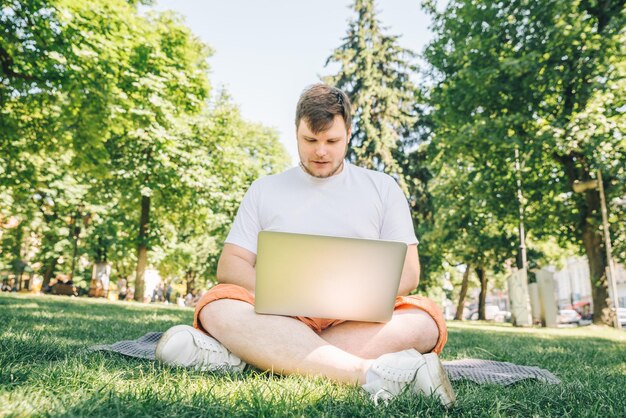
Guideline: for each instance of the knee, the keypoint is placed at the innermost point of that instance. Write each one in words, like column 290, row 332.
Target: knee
column 211, row 316
column 430, row 337
column 424, row 332
column 219, row 315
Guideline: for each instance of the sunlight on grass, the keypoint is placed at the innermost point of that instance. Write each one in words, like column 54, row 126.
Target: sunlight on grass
column 45, row 370
column 25, row 306
column 591, row 331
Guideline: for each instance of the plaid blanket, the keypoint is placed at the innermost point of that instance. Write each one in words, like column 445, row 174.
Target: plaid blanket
column 475, row 370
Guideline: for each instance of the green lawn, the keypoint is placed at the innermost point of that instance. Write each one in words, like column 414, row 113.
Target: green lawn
column 44, row 370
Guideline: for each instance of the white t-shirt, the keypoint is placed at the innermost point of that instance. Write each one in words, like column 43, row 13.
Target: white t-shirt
column 356, row 203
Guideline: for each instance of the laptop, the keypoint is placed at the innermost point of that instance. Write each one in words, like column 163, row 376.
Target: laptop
column 327, row 277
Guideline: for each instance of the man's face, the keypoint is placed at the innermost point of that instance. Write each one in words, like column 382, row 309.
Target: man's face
column 322, row 154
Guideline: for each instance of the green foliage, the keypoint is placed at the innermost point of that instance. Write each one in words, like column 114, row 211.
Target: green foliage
column 469, row 226
column 545, row 78
column 44, row 370
column 235, row 153
column 388, row 127
column 375, row 72
column 102, row 106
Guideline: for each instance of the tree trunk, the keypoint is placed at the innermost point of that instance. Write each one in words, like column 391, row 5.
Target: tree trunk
column 191, row 280
column 597, row 274
column 48, row 242
column 50, row 264
column 17, row 244
column 604, row 12
column 596, row 255
column 18, row 264
column 142, row 248
column 100, row 255
column 461, row 305
column 589, row 210
column 74, row 255
column 482, row 276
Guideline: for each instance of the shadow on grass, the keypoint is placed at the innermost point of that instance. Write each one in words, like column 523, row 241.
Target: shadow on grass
column 44, row 371
column 251, row 398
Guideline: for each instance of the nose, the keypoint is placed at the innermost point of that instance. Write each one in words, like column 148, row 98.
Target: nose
column 320, row 150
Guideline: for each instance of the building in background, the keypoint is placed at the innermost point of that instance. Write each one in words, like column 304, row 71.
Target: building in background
column 573, row 287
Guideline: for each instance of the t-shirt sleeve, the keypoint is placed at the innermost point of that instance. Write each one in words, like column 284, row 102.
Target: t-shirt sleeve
column 246, row 226
column 397, row 223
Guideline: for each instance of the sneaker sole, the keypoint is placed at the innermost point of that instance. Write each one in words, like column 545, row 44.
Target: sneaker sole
column 439, row 378
column 164, row 338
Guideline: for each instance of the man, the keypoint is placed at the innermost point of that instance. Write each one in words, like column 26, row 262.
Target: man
column 121, row 284
column 325, row 195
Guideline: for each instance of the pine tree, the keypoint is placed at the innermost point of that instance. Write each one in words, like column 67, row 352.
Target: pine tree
column 375, row 72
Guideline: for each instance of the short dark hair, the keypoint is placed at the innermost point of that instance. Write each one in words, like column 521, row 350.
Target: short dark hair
column 319, row 104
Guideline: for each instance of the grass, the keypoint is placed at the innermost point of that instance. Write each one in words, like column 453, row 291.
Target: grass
column 45, row 371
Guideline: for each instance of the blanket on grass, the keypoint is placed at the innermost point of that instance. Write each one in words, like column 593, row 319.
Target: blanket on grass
column 475, row 370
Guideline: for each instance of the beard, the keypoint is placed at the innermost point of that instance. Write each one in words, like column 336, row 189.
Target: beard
column 322, row 176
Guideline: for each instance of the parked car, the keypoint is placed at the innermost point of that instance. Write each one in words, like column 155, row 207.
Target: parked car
column 492, row 313
column 568, row 316
column 621, row 314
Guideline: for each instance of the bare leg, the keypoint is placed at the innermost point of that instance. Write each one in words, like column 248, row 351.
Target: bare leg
column 279, row 343
column 411, row 328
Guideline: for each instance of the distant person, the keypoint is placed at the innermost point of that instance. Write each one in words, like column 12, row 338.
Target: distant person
column 168, row 293
column 324, row 195
column 159, row 294
column 189, row 299
column 121, row 285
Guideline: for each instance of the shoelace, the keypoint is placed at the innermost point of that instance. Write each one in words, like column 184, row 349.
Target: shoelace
column 383, row 395
column 212, row 356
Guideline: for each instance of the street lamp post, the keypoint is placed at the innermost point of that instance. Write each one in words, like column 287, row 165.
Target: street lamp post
column 580, row 187
column 522, row 262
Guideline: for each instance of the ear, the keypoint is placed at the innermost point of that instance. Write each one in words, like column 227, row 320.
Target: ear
column 349, row 133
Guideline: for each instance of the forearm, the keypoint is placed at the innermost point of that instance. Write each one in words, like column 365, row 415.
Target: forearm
column 235, row 270
column 407, row 285
column 410, row 272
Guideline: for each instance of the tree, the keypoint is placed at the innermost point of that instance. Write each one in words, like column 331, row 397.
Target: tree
column 54, row 90
column 462, row 294
column 389, row 131
column 375, row 72
column 108, row 109
column 522, row 75
column 163, row 82
column 236, row 153
column 468, row 229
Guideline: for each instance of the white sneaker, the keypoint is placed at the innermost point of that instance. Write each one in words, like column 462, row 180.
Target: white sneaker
column 423, row 373
column 185, row 346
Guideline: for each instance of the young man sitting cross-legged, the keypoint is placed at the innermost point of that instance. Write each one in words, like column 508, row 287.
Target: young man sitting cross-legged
column 314, row 198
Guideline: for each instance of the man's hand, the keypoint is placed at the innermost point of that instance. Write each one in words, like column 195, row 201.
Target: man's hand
column 236, row 266
column 410, row 272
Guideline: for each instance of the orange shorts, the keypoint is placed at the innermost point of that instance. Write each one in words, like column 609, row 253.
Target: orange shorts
column 231, row 291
